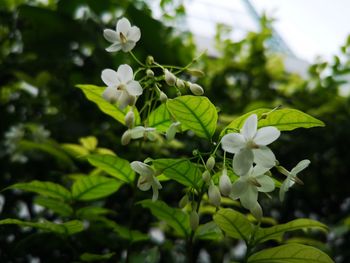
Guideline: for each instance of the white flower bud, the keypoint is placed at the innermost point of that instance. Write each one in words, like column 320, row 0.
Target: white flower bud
column 206, row 176
column 149, row 60
column 184, row 201
column 130, row 119
column 196, row 89
column 150, row 73
column 195, row 72
column 170, row 78
column 194, row 220
column 257, row 211
column 171, row 131
column 163, row 97
column 180, row 83
column 126, row 137
column 214, row 194
column 210, row 163
column 225, row 184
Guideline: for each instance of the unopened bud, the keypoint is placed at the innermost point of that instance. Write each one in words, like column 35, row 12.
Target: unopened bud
column 225, row 184
column 184, row 201
column 195, row 72
column 214, row 194
column 171, row 131
column 149, row 60
column 257, row 212
column 180, row 83
column 130, row 119
column 210, row 163
column 150, row 73
column 196, row 89
column 126, row 137
column 170, row 78
column 206, row 176
column 132, row 100
column 163, row 97
column 194, row 220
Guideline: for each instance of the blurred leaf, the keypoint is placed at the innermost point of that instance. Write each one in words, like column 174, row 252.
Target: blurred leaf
column 89, row 143
column 49, row 189
column 180, row 170
column 160, row 118
column 94, row 94
column 233, row 223
column 195, row 113
column 208, row 231
column 277, row 232
column 113, row 165
column 94, row 187
column 75, row 150
column 89, row 257
column 93, row 212
column 58, row 207
column 67, row 228
column 176, row 218
column 293, row 253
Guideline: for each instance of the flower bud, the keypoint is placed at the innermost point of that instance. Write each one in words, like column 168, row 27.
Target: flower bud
column 150, row 73
column 214, row 194
column 180, row 83
column 194, row 220
column 210, row 163
column 126, row 137
column 225, row 184
column 195, row 72
column 196, row 89
column 130, row 119
column 170, row 78
column 171, row 131
column 163, row 97
column 184, row 201
column 206, row 176
column 149, row 60
column 257, row 212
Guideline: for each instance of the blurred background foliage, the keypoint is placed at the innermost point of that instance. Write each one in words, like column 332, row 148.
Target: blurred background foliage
column 46, row 48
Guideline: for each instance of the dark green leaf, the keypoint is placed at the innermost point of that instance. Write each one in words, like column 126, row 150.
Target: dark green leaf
column 57, row 206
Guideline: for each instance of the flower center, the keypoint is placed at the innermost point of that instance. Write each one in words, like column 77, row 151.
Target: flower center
column 122, row 38
column 252, row 145
column 254, row 182
column 121, row 87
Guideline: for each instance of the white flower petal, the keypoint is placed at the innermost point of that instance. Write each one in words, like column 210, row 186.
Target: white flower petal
column 257, row 211
column 144, row 182
column 283, row 189
column 123, row 26
column 137, row 132
column 266, row 135
column 134, row 88
column 242, row 161
column 124, row 100
column 125, row 73
column 263, row 156
column 114, row 48
column 238, row 188
column 128, row 46
column 232, row 142
column 111, row 35
column 250, row 197
column 142, row 168
column 250, row 126
column 110, row 77
column 155, row 193
column 266, row 182
column 134, row 34
column 111, row 94
column 300, row 166
column 259, row 170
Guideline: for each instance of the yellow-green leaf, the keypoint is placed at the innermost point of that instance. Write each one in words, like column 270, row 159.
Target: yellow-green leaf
column 196, row 113
column 160, row 118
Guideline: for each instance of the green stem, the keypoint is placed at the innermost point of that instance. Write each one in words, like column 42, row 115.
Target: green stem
column 136, row 59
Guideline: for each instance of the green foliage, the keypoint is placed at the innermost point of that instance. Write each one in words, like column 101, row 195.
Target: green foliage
column 94, row 187
column 57, row 206
column 90, row 257
column 290, row 253
column 160, row 118
column 195, row 113
column 208, row 231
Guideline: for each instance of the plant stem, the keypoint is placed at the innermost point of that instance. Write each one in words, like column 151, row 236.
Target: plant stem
column 136, row 59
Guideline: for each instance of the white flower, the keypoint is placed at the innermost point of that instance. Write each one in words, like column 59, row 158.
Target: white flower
column 169, row 77
column 292, row 177
column 142, row 132
column 122, row 87
column 249, row 146
column 196, row 89
column 246, row 188
column 171, row 131
column 147, row 178
column 124, row 37
column 214, row 194
column 225, row 184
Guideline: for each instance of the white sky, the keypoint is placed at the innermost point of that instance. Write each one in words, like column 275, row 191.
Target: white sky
column 310, row 27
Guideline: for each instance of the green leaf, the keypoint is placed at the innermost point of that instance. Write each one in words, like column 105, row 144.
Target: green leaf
column 94, row 94
column 93, row 212
column 290, row 253
column 180, row 170
column 195, row 113
column 75, row 150
column 94, row 187
column 176, row 218
column 283, row 119
column 89, row 257
column 113, row 165
column 89, row 143
column 160, row 118
column 277, row 232
column 233, row 223
column 67, row 228
column 49, row 189
column 57, row 206
column 208, row 231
